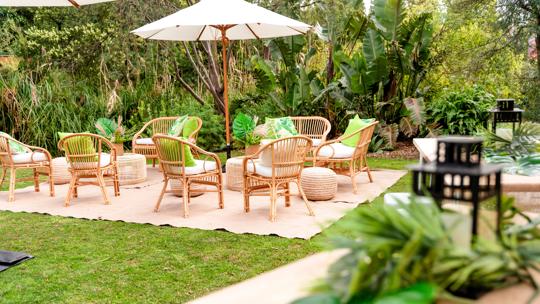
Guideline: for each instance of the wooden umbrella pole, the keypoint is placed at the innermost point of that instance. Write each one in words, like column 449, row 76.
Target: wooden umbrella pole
column 225, row 43
column 74, row 3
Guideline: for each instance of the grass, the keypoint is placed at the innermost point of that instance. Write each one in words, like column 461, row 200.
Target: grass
column 82, row 261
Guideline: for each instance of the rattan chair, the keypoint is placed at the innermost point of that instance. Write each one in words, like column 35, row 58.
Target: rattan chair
column 344, row 160
column 286, row 158
column 145, row 145
column 315, row 127
column 87, row 158
column 35, row 158
column 206, row 172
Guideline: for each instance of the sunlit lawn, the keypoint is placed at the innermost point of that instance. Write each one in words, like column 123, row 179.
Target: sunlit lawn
column 82, row 261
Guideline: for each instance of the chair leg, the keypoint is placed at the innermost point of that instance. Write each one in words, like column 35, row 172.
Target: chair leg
column 368, row 171
column 165, row 184
column 311, row 213
column 12, row 181
column 246, row 196
column 76, row 188
column 51, row 182
column 4, row 172
column 36, row 180
column 287, row 195
column 273, row 203
column 185, row 198
column 220, row 192
column 103, row 188
column 71, row 190
column 116, row 182
column 153, row 162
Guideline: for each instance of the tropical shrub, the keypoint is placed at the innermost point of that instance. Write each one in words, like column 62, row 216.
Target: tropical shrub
column 462, row 112
column 111, row 129
column 244, row 130
column 407, row 249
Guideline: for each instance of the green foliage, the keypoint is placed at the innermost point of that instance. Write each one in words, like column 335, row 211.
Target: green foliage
column 406, row 248
column 517, row 150
column 380, row 80
column 111, row 129
column 462, row 112
column 243, row 127
column 287, row 80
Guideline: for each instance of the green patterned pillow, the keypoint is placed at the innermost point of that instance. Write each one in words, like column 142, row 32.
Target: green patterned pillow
column 355, row 125
column 178, row 126
column 15, row 147
column 280, row 127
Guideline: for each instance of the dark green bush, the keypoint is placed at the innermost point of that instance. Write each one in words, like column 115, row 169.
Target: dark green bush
column 461, row 112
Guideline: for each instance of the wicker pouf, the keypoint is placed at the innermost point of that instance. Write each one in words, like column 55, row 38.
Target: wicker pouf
column 235, row 176
column 176, row 188
column 131, row 169
column 60, row 174
column 319, row 184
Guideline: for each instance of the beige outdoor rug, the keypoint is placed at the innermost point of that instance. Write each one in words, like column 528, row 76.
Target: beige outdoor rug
column 136, row 204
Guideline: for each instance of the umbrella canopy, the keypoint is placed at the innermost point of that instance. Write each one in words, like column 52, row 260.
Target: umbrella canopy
column 42, row 3
column 223, row 20
column 201, row 21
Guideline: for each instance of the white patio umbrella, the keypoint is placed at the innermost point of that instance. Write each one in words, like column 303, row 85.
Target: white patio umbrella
column 223, row 20
column 43, row 3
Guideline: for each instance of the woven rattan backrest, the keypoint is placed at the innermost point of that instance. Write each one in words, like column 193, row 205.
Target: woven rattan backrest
column 289, row 155
column 314, row 127
column 365, row 139
column 162, row 125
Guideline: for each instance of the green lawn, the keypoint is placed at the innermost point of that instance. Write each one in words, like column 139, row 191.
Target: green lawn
column 81, row 261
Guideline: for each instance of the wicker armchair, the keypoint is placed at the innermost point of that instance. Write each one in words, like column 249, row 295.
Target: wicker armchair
column 172, row 159
column 87, row 159
column 281, row 163
column 35, row 158
column 145, row 145
column 345, row 160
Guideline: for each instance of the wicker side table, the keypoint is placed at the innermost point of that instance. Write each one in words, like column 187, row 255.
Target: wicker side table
column 131, row 169
column 319, row 184
column 235, row 175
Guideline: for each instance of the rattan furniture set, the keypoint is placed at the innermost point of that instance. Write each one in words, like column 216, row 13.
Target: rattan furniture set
column 92, row 160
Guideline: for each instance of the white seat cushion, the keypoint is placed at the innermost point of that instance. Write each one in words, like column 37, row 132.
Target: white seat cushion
column 337, row 150
column 26, row 158
column 104, row 161
column 201, row 166
column 144, row 141
column 316, row 142
column 262, row 170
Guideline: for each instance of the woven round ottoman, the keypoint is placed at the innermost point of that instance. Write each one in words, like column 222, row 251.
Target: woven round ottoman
column 319, row 184
column 235, row 175
column 176, row 188
column 60, row 174
column 131, row 169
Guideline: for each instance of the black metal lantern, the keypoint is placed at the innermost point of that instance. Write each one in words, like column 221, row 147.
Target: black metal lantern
column 506, row 113
column 458, row 174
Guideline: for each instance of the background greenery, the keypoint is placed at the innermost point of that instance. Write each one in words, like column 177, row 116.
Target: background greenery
column 396, row 62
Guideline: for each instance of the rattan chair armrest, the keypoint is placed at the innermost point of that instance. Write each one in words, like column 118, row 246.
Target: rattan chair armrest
column 141, row 131
column 39, row 149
